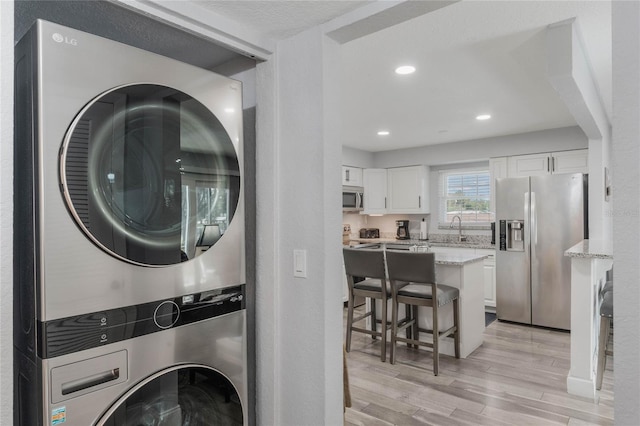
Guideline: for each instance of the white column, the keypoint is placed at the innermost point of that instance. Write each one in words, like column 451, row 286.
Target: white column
column 299, row 320
column 626, row 209
column 6, row 210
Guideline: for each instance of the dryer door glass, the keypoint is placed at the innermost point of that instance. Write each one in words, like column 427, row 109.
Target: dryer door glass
column 193, row 396
column 150, row 175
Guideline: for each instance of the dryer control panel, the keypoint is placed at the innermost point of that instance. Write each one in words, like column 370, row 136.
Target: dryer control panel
column 74, row 334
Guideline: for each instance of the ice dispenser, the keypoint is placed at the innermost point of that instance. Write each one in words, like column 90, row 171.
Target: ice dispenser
column 512, row 235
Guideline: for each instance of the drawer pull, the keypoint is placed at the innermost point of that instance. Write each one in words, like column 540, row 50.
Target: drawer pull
column 87, row 382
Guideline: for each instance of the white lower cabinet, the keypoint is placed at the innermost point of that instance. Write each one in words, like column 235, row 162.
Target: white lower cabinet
column 489, row 277
column 489, row 270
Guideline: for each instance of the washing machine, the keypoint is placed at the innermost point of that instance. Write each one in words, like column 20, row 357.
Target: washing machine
column 129, row 253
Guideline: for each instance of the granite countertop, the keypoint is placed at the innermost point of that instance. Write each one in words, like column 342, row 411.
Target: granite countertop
column 464, row 244
column 458, row 259
column 591, row 249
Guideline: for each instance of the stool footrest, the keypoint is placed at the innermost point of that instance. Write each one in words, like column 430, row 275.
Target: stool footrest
column 442, row 333
column 414, row 342
column 361, row 317
column 405, row 323
column 448, row 332
column 366, row 331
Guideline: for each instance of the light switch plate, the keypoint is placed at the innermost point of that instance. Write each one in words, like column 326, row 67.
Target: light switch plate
column 300, row 263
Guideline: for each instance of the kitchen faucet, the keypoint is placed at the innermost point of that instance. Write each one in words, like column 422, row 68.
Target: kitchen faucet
column 460, row 237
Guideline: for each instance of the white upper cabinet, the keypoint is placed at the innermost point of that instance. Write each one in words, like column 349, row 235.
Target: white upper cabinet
column 570, row 161
column 408, row 190
column 529, row 165
column 375, row 191
column 497, row 169
column 575, row 161
column 351, row 176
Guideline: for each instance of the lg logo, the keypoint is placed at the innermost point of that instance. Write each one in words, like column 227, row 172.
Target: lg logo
column 59, row 38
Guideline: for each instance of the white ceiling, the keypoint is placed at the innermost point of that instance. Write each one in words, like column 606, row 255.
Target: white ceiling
column 278, row 19
column 472, row 57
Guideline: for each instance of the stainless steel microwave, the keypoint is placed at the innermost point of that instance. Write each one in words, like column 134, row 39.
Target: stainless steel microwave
column 352, row 198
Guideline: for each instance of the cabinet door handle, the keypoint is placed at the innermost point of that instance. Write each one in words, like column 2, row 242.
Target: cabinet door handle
column 553, row 164
column 385, row 202
column 419, row 202
column 347, row 174
column 548, row 167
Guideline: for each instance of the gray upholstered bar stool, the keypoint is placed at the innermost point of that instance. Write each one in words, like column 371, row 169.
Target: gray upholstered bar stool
column 368, row 264
column 606, row 316
column 419, row 270
column 608, row 286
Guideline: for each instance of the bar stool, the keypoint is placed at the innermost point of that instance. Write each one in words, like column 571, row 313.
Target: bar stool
column 608, row 285
column 370, row 265
column 419, row 270
column 606, row 316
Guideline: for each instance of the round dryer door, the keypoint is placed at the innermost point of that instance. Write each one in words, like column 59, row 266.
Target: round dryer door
column 193, row 396
column 150, row 174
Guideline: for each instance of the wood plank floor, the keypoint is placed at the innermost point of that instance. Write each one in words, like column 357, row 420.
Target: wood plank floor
column 517, row 377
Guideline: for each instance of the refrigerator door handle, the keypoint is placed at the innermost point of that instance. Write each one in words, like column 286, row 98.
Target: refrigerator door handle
column 533, row 236
column 533, row 227
column 528, row 229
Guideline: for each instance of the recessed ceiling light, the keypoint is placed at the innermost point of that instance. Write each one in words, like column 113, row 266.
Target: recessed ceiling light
column 405, row 69
column 383, row 133
column 483, row 117
column 229, row 110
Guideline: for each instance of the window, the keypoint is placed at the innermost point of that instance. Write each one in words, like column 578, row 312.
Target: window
column 465, row 193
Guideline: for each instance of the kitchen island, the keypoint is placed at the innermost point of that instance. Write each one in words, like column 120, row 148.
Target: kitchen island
column 465, row 272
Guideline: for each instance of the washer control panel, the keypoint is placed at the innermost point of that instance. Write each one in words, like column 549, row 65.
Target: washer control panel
column 74, row 334
column 166, row 314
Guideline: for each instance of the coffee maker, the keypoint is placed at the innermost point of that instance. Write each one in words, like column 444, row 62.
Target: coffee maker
column 403, row 230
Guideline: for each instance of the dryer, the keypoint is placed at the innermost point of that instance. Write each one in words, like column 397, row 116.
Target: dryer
column 129, row 233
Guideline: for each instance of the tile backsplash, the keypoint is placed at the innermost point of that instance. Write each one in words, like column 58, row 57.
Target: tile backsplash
column 387, row 226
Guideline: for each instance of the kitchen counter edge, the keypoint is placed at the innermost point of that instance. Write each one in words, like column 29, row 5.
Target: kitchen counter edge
column 591, row 249
column 424, row 242
column 453, row 259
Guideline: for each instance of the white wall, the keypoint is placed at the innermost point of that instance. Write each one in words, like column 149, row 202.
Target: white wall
column 626, row 210
column 357, row 157
column 569, row 72
column 6, row 211
column 299, row 319
column 267, row 241
column 561, row 139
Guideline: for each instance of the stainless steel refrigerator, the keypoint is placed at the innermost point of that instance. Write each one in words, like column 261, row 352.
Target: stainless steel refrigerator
column 537, row 219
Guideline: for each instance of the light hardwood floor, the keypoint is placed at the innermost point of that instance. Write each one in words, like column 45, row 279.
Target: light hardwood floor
column 517, row 377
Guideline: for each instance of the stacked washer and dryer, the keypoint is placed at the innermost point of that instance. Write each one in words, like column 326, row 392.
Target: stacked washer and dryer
column 129, row 253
